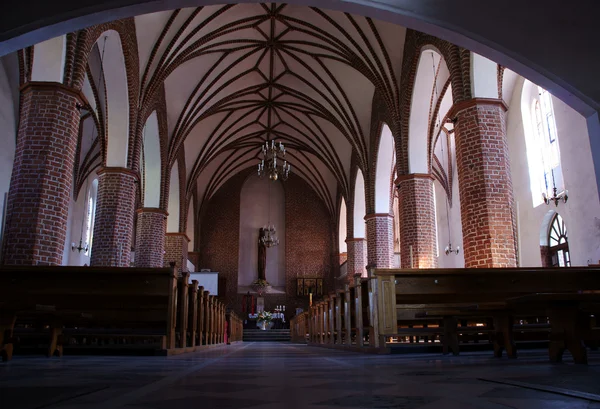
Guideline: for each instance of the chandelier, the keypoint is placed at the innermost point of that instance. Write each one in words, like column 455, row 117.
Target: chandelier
column 269, row 165
column 269, row 238
column 556, row 197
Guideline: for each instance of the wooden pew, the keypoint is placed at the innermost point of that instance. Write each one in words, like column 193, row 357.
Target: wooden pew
column 235, row 327
column 89, row 297
column 452, row 294
column 193, row 310
column 299, row 327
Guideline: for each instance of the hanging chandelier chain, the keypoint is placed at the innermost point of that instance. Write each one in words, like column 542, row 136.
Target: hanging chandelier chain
column 270, row 152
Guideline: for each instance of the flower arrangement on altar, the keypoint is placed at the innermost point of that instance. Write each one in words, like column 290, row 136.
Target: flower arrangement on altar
column 264, row 316
column 261, row 286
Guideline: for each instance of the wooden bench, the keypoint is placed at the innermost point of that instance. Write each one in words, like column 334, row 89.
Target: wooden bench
column 455, row 294
column 98, row 307
column 88, row 297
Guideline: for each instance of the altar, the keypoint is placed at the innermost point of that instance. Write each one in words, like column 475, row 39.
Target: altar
column 277, row 321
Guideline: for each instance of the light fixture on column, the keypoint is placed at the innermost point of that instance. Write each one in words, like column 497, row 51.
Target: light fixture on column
column 556, row 197
column 268, row 165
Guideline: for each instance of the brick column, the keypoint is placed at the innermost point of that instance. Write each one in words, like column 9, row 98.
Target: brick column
column 417, row 221
column 357, row 258
column 484, row 182
column 176, row 249
column 150, row 237
column 113, row 225
column 42, row 177
column 380, row 240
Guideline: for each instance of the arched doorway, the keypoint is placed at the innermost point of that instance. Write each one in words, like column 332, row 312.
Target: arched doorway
column 558, row 251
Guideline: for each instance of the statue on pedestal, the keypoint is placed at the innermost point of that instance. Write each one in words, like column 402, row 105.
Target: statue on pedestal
column 262, row 255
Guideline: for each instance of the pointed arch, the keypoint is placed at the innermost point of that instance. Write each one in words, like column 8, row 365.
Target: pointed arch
column 174, row 201
column 431, row 76
column 359, row 207
column 342, row 227
column 151, row 167
column 385, row 168
column 117, row 95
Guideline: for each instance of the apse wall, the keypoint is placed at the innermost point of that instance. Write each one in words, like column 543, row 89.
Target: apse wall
column 308, row 237
column 582, row 211
column 8, row 125
column 261, row 202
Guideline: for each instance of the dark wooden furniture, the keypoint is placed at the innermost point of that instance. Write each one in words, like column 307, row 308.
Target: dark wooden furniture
column 101, row 308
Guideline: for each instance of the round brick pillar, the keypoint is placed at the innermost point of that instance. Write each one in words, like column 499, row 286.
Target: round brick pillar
column 113, row 225
column 380, row 240
column 176, row 250
column 484, row 183
column 357, row 258
column 150, row 237
column 417, row 221
column 42, row 177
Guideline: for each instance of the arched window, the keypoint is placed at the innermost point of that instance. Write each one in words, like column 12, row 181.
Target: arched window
column 545, row 171
column 559, row 243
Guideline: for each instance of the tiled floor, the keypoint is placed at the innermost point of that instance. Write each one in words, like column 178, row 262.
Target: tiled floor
column 273, row 376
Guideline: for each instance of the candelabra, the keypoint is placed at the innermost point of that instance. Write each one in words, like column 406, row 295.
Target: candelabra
column 556, row 197
column 269, row 166
column 270, row 236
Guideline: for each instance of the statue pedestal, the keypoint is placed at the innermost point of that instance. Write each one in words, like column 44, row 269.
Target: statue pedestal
column 260, row 304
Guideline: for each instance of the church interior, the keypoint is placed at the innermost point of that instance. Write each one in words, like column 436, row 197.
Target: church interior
column 383, row 205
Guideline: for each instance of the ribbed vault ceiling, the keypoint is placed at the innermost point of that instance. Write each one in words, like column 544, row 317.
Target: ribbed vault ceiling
column 237, row 75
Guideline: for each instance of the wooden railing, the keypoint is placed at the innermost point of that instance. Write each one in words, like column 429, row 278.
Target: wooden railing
column 299, row 327
column 452, row 306
column 107, row 308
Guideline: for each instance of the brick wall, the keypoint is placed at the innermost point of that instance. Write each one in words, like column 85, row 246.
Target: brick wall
column 357, row 258
column 194, row 258
column 150, row 237
column 113, row 225
column 484, row 182
column 417, row 221
column 219, row 233
column 308, row 240
column 176, row 245
column 380, row 240
column 41, row 184
column 309, row 248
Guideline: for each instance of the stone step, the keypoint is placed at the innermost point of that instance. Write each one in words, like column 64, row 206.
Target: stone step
column 274, row 335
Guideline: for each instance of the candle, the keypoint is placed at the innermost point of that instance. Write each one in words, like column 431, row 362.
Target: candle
column 553, row 183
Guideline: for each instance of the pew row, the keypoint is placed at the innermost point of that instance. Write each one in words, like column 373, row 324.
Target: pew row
column 552, row 307
column 299, row 327
column 106, row 310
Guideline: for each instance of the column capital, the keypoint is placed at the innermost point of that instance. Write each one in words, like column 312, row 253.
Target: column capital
column 412, row 176
column 152, row 210
column 184, row 235
column 53, row 86
column 118, row 170
column 468, row 103
column 352, row 239
column 376, row 215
